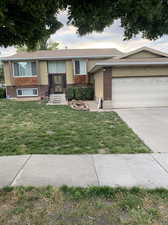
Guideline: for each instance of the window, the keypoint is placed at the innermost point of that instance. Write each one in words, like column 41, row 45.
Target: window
column 56, row 67
column 24, row 69
column 28, row 92
column 80, row 67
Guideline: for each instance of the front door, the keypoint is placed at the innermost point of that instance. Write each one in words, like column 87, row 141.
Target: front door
column 56, row 82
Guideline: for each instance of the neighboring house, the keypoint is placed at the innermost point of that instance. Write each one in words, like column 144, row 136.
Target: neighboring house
column 136, row 79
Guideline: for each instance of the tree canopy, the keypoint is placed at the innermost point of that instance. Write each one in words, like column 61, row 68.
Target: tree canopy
column 40, row 45
column 28, row 21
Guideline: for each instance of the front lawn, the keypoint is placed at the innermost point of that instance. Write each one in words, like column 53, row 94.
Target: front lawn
column 83, row 206
column 30, row 127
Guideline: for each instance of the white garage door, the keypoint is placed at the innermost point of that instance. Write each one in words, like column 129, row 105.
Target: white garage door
column 139, row 92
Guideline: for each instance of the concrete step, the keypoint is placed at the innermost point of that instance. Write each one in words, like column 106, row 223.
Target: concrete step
column 57, row 99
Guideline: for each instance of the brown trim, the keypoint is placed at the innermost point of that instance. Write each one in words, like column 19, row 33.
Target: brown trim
column 107, row 84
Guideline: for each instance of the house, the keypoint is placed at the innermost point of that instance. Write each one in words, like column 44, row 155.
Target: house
column 135, row 79
column 35, row 75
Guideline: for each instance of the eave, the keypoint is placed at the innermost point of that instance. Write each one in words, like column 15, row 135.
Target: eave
column 99, row 66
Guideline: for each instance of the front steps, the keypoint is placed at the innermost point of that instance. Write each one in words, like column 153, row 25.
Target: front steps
column 57, row 99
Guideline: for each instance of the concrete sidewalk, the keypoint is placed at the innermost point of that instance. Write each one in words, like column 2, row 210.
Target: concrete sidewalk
column 144, row 170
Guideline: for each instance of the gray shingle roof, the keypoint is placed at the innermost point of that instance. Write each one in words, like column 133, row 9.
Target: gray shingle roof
column 66, row 53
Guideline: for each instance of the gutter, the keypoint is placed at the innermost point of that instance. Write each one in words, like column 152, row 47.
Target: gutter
column 55, row 57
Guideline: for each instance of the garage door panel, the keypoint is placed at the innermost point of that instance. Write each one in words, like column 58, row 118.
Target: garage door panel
column 140, row 92
column 145, row 95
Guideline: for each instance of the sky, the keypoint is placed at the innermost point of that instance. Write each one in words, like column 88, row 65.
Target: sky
column 111, row 37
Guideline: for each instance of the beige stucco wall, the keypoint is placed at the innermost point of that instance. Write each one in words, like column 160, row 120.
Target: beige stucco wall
column 140, row 71
column 69, row 72
column 43, row 73
column 8, row 80
column 99, row 84
column 143, row 54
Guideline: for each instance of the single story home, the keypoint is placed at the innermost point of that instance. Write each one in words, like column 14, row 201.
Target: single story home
column 135, row 79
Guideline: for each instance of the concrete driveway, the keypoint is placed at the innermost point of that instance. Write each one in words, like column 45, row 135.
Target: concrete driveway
column 150, row 124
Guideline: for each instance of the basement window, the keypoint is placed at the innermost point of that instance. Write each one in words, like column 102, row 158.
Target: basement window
column 27, row 92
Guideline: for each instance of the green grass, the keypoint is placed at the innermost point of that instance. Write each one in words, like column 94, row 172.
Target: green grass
column 33, row 128
column 83, row 206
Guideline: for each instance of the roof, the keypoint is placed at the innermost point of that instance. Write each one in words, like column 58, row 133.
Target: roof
column 129, row 62
column 65, row 54
column 122, row 60
column 151, row 50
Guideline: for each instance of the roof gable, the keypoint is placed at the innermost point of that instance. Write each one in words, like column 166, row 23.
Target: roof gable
column 144, row 53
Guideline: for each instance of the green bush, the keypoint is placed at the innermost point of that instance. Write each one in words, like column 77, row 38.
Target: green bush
column 89, row 94
column 70, row 93
column 2, row 93
column 80, row 93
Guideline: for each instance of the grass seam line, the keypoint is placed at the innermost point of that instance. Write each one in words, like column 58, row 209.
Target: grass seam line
column 20, row 171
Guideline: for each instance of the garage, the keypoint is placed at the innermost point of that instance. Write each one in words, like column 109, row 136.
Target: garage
column 135, row 79
column 139, row 92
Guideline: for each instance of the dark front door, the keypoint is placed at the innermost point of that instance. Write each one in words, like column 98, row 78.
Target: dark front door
column 56, row 82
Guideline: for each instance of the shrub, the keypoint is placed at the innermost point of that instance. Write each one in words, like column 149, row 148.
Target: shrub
column 89, row 93
column 80, row 93
column 2, row 93
column 70, row 93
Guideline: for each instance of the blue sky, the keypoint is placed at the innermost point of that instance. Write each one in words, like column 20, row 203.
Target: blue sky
column 112, row 37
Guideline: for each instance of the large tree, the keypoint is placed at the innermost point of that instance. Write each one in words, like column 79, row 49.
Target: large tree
column 148, row 17
column 27, row 21
column 43, row 44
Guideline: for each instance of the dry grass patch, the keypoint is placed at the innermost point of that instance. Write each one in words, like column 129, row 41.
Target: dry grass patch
column 83, row 206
